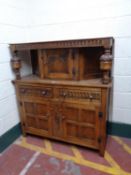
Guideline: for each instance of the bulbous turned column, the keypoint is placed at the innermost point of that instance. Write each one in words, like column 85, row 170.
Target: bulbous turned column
column 106, row 65
column 16, row 65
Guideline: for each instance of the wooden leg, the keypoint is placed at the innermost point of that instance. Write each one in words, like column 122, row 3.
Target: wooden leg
column 23, row 130
column 102, row 147
column 24, row 133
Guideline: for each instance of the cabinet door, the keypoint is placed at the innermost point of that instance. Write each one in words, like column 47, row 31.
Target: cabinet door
column 37, row 117
column 57, row 63
column 81, row 124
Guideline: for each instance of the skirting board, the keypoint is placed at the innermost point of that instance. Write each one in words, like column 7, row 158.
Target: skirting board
column 118, row 129
column 9, row 137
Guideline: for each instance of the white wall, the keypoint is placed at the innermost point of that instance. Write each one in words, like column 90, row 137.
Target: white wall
column 12, row 29
column 45, row 20
column 74, row 19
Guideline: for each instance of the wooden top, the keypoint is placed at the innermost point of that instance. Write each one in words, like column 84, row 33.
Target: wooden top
column 36, row 80
column 94, row 42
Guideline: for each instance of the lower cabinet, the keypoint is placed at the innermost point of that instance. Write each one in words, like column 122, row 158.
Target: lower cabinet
column 70, row 122
column 71, row 117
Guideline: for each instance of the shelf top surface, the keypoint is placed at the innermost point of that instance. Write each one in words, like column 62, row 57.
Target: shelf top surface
column 90, row 83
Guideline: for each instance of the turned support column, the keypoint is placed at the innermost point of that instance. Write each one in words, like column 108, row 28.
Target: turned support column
column 16, row 65
column 106, row 65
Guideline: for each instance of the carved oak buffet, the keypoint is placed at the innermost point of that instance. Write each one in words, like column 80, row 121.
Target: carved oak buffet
column 66, row 97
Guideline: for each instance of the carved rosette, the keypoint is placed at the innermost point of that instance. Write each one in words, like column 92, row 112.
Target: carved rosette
column 106, row 65
column 16, row 65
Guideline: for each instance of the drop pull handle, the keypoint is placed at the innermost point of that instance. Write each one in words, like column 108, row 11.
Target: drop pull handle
column 47, row 116
column 23, row 90
column 44, row 92
column 63, row 117
column 91, row 97
column 64, row 94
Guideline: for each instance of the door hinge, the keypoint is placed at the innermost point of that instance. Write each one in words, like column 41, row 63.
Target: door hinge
column 99, row 139
column 100, row 114
column 20, row 103
column 73, row 72
column 74, row 52
column 23, row 124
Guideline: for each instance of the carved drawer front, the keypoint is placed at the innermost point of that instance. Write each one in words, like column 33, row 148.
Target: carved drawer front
column 30, row 91
column 80, row 94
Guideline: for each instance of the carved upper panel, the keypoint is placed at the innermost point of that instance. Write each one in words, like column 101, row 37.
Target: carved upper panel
column 96, row 42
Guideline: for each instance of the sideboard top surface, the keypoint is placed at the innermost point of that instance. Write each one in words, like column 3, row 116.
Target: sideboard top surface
column 33, row 79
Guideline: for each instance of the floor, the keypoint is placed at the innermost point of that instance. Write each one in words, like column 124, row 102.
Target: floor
column 37, row 156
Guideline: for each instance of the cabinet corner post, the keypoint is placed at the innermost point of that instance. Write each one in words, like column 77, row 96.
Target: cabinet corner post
column 16, row 65
column 106, row 65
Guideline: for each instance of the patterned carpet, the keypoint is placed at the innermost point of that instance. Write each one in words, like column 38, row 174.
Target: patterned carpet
column 36, row 156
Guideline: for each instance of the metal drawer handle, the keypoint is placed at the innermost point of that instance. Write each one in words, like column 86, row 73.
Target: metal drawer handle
column 63, row 117
column 23, row 90
column 64, row 94
column 47, row 116
column 91, row 97
column 44, row 92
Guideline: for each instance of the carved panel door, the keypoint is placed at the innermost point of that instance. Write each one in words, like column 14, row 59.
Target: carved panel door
column 81, row 124
column 37, row 117
column 56, row 63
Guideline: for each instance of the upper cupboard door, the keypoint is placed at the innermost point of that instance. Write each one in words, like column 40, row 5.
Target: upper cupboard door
column 56, row 63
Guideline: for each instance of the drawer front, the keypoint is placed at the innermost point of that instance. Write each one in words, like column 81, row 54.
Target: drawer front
column 80, row 94
column 30, row 91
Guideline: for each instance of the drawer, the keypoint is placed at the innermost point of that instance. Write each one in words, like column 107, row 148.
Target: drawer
column 31, row 91
column 81, row 94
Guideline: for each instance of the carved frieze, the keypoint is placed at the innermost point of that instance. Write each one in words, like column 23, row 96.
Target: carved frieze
column 98, row 42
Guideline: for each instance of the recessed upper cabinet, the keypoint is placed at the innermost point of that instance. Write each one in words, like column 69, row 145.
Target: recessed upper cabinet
column 71, row 59
column 70, row 64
